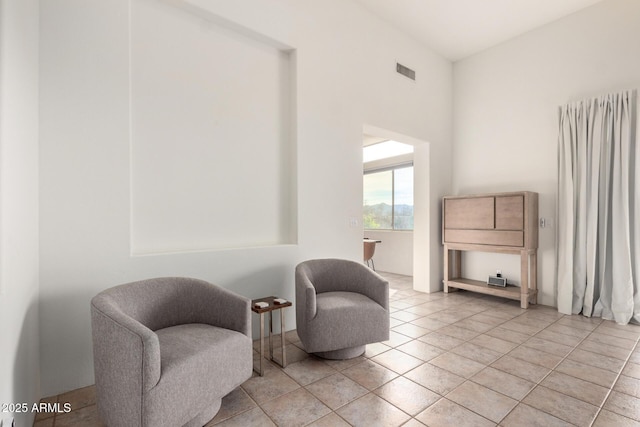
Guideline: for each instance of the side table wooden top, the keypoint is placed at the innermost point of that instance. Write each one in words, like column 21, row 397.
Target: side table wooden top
column 272, row 305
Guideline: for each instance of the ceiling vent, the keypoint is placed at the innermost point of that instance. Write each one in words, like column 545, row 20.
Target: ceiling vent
column 405, row 71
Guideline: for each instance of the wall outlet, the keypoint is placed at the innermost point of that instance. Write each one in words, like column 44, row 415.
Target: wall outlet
column 546, row 222
column 354, row 222
column 498, row 273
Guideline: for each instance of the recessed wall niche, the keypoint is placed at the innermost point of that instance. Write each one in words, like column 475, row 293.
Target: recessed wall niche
column 212, row 147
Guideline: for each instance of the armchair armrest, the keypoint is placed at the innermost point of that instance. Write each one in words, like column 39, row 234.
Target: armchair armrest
column 305, row 295
column 126, row 356
column 224, row 308
column 371, row 284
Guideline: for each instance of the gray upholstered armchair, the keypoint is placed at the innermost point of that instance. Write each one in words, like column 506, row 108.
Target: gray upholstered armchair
column 167, row 350
column 341, row 306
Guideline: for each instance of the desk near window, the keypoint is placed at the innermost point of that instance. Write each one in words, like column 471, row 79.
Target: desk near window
column 366, row 239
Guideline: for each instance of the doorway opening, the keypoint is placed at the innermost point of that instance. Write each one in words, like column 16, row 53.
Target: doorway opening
column 396, row 202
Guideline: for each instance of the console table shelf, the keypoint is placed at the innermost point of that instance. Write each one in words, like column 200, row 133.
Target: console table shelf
column 502, row 223
column 512, row 292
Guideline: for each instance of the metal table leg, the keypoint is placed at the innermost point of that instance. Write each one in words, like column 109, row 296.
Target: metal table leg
column 282, row 329
column 270, row 334
column 262, row 343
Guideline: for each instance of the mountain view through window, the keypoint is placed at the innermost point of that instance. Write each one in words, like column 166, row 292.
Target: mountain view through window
column 388, row 193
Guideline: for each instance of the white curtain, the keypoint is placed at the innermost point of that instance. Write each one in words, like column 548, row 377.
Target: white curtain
column 598, row 241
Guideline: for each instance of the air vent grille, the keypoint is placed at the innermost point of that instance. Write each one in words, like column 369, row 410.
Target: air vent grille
column 405, row 71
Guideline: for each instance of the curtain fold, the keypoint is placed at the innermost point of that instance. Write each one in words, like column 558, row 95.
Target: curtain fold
column 598, row 240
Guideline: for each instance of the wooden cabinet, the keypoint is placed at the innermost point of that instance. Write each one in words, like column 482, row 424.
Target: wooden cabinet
column 503, row 223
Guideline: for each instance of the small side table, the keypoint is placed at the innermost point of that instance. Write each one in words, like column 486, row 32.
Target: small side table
column 270, row 309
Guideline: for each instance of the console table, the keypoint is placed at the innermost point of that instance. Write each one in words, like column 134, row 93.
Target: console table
column 502, row 223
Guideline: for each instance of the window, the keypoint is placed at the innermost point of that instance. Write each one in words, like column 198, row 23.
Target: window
column 385, row 150
column 388, row 198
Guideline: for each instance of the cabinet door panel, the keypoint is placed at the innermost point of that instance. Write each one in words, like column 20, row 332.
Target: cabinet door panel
column 485, row 237
column 510, row 213
column 473, row 213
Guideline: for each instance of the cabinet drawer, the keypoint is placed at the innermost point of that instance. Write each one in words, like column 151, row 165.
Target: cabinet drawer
column 510, row 213
column 473, row 213
column 485, row 237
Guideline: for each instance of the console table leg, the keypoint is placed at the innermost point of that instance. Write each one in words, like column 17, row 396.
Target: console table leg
column 446, row 269
column 524, row 277
column 534, row 278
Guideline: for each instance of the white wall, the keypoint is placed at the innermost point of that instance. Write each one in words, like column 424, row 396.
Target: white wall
column 221, row 130
column 395, row 253
column 19, row 358
column 506, row 106
column 345, row 73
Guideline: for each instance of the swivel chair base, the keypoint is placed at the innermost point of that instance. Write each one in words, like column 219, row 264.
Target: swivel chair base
column 343, row 353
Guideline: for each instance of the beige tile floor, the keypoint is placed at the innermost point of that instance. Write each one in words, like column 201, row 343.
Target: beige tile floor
column 459, row 359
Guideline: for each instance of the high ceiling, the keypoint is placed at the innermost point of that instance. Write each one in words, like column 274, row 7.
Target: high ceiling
column 457, row 29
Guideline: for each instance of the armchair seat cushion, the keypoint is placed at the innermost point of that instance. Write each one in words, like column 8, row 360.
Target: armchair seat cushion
column 346, row 319
column 186, row 352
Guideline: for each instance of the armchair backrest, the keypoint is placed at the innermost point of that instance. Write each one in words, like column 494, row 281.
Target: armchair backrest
column 334, row 275
column 331, row 275
column 161, row 302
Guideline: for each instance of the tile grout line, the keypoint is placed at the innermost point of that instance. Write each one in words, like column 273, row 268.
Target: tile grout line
column 304, row 387
column 371, row 392
column 550, row 371
column 609, row 389
column 241, row 412
column 626, row 362
column 444, row 396
column 557, row 364
column 488, row 365
column 505, row 354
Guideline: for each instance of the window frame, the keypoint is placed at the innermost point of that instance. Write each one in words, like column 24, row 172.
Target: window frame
column 392, row 167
